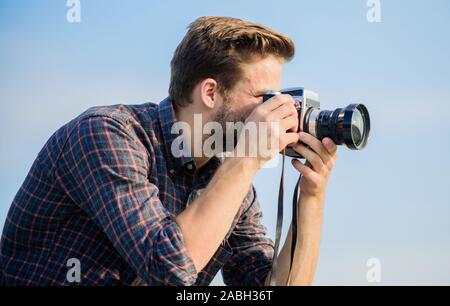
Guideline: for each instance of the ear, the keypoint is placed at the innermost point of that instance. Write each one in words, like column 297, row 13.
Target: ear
column 208, row 92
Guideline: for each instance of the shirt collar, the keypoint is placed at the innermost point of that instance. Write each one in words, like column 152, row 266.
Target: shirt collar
column 167, row 119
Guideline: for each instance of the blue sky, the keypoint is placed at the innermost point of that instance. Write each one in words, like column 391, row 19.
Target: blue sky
column 389, row 201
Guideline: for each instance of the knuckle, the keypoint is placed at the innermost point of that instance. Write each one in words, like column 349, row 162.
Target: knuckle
column 324, row 152
column 306, row 136
column 261, row 113
column 278, row 98
column 316, row 159
column 298, row 147
column 293, row 120
column 287, row 98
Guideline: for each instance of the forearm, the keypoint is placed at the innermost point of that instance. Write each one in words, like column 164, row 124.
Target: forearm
column 207, row 220
column 309, row 231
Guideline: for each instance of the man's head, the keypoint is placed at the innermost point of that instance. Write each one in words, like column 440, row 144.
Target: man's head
column 223, row 65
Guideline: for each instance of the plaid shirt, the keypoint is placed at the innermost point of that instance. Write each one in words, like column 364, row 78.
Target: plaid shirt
column 105, row 190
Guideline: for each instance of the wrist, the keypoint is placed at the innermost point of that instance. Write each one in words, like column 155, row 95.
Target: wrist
column 317, row 196
column 245, row 164
column 310, row 207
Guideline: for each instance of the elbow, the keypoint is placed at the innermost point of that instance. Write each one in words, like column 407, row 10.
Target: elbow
column 169, row 263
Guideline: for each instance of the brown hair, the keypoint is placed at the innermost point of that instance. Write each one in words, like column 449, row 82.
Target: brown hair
column 214, row 47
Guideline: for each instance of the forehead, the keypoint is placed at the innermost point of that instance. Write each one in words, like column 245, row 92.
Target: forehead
column 262, row 74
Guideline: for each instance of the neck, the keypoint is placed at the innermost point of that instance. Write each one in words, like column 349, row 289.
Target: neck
column 186, row 114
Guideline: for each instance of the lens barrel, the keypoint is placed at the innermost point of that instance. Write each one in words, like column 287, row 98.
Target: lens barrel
column 349, row 126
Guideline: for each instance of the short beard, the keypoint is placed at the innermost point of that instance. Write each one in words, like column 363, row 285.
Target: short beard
column 223, row 115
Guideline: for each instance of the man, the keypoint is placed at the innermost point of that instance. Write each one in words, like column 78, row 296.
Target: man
column 108, row 199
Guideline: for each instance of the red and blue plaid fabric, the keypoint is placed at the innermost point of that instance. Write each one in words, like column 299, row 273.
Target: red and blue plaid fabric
column 105, row 189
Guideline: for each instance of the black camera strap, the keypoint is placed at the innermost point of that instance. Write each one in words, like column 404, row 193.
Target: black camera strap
column 279, row 226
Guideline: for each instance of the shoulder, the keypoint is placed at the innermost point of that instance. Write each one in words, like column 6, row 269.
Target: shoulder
column 140, row 114
column 111, row 127
column 137, row 121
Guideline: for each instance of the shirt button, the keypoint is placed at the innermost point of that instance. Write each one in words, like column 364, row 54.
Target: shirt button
column 189, row 166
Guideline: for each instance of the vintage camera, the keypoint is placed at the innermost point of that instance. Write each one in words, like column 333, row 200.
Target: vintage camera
column 349, row 126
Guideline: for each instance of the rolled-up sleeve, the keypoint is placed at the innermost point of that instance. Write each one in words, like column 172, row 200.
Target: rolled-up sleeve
column 252, row 249
column 104, row 169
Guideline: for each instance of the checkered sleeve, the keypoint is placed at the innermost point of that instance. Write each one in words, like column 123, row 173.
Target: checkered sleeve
column 252, row 250
column 104, row 169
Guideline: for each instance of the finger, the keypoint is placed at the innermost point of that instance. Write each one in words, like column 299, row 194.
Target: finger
column 276, row 101
column 283, row 111
column 315, row 160
column 316, row 145
column 289, row 124
column 330, row 145
column 303, row 169
column 290, row 139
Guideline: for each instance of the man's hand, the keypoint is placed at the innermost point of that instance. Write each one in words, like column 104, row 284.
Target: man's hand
column 279, row 116
column 320, row 157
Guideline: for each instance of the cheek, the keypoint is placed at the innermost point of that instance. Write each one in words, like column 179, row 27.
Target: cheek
column 250, row 106
column 246, row 105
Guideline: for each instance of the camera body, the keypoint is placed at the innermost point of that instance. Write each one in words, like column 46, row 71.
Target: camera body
column 349, row 126
column 306, row 101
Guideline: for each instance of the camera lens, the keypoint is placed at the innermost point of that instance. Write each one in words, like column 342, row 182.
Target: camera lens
column 357, row 127
column 349, row 126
